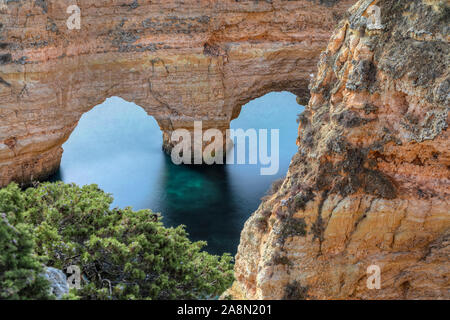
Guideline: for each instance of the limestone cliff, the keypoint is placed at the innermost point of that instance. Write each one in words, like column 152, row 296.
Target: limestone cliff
column 370, row 182
column 179, row 60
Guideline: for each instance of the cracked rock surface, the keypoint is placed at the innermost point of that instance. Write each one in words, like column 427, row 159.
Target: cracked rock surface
column 370, row 182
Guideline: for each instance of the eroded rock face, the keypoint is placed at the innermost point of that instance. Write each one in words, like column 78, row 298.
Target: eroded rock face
column 180, row 61
column 370, row 182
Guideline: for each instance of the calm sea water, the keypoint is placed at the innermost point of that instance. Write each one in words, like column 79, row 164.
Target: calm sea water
column 118, row 146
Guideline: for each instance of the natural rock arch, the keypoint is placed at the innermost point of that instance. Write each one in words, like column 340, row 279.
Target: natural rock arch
column 195, row 60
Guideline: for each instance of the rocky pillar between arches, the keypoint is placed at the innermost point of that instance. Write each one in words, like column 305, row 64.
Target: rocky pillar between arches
column 169, row 127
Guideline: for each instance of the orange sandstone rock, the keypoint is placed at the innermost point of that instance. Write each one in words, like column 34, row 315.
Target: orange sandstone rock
column 370, row 182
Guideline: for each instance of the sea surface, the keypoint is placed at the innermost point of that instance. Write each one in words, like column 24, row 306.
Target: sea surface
column 118, row 146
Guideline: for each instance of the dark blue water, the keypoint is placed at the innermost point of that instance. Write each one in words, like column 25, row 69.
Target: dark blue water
column 118, row 146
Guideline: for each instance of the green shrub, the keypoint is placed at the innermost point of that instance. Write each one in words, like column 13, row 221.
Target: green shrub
column 261, row 224
column 278, row 259
column 292, row 227
column 20, row 269
column 122, row 254
column 301, row 199
column 261, row 220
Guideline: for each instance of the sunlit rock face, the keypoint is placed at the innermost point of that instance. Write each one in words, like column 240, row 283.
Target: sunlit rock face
column 179, row 60
column 370, row 182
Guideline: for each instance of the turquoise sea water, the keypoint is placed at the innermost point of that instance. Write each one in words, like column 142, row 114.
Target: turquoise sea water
column 118, row 146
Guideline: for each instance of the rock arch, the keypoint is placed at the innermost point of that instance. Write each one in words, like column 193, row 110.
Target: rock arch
column 195, row 60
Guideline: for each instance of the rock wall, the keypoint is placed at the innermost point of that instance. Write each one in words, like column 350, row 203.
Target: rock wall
column 179, row 60
column 370, row 184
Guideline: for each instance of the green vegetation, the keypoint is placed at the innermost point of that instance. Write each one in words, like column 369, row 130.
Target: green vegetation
column 20, row 268
column 261, row 220
column 301, row 199
column 123, row 254
column 295, row 291
column 292, row 227
column 278, row 259
column 261, row 224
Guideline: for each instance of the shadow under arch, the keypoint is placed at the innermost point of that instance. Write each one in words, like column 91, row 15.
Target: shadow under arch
column 200, row 197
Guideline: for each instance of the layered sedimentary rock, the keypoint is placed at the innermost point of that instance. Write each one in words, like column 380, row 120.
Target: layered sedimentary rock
column 179, row 60
column 369, row 187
